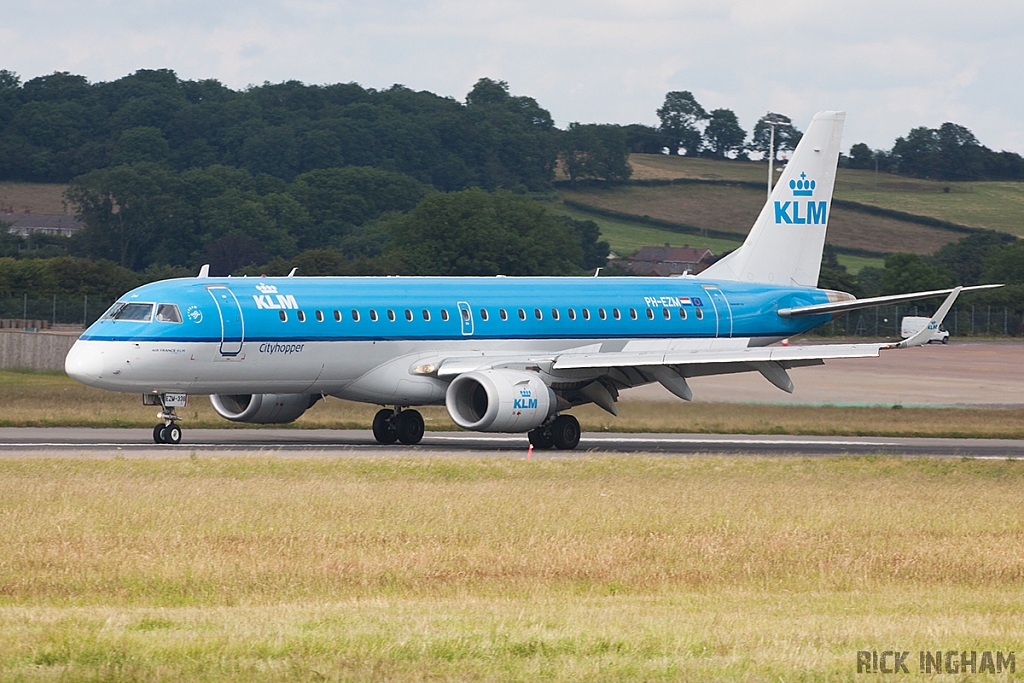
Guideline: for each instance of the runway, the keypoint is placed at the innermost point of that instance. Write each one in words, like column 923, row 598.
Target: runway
column 79, row 442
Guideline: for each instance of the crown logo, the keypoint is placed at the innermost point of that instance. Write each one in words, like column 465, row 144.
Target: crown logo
column 802, row 187
column 267, row 289
column 525, row 393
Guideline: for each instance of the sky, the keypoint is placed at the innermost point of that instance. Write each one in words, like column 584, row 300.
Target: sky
column 891, row 66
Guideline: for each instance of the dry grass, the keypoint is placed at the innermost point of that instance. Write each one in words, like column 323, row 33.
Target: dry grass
column 734, row 209
column 571, row 569
column 54, row 400
column 34, row 197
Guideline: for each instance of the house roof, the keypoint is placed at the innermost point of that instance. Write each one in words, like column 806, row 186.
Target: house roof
column 667, row 254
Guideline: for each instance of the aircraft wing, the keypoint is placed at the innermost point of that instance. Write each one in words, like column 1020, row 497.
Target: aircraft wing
column 596, row 375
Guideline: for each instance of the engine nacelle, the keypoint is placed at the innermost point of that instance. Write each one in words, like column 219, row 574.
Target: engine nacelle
column 499, row 401
column 262, row 409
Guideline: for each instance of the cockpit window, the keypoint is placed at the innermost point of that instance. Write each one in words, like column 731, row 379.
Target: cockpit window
column 135, row 312
column 168, row 313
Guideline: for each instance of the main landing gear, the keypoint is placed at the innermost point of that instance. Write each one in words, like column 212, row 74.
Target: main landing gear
column 563, row 433
column 405, row 426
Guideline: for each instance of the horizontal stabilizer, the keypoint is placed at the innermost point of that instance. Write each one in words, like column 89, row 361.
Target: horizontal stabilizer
column 854, row 304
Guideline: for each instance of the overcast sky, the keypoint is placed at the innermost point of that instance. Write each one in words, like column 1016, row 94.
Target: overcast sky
column 891, row 65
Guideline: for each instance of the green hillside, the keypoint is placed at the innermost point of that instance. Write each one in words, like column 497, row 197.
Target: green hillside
column 988, row 205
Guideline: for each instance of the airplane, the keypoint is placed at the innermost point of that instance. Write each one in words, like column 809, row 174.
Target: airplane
column 502, row 354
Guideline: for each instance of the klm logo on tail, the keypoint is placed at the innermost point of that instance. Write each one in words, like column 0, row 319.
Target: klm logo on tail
column 790, row 212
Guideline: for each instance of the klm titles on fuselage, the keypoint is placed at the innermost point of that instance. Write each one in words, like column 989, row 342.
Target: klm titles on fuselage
column 796, row 212
column 272, row 300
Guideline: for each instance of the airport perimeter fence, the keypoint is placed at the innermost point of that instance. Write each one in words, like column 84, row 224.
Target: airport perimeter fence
column 962, row 321
column 43, row 313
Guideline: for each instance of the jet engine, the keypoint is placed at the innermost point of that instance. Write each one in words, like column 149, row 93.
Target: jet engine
column 262, row 408
column 499, row 401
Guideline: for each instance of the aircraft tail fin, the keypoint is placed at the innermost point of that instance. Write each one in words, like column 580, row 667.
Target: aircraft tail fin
column 784, row 246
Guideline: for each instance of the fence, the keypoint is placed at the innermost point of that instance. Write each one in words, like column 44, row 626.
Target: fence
column 82, row 310
column 962, row 321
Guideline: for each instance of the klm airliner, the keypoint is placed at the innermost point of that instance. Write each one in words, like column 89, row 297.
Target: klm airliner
column 502, row 354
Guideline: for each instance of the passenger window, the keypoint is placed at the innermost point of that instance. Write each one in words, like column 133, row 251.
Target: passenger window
column 632, row 313
column 283, row 316
column 408, row 315
column 522, row 314
column 538, row 314
column 337, row 316
column 700, row 314
column 373, row 315
column 465, row 314
column 601, row 314
column 355, row 315
column 650, row 314
column 616, row 314
column 444, row 314
column 572, row 314
column 319, row 316
column 503, row 313
column 426, row 315
column 168, row 313
column 668, row 313
column 682, row 313
column 554, row 313
column 391, row 315
column 301, row 315
column 483, row 314
column 586, row 314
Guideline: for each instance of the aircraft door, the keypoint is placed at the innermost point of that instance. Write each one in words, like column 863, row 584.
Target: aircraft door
column 723, row 312
column 232, row 326
column 466, row 316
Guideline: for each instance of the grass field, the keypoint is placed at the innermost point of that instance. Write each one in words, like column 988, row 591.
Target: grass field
column 52, row 400
column 734, row 209
column 34, row 197
column 611, row 568
column 990, row 205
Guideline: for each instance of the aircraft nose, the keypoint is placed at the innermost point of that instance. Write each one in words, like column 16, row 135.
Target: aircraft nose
column 84, row 363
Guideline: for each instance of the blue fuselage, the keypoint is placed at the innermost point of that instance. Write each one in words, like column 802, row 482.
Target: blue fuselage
column 332, row 335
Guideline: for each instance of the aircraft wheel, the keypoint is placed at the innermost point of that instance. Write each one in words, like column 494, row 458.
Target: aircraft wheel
column 383, row 427
column 565, row 432
column 540, row 438
column 172, row 434
column 158, row 433
column 409, row 427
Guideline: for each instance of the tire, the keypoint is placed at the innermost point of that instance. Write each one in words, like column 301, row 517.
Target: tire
column 158, row 433
column 383, row 427
column 540, row 438
column 945, row 340
column 409, row 427
column 172, row 434
column 565, row 432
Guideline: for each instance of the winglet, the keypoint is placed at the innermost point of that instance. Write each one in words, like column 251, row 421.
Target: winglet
column 204, row 270
column 292, row 274
column 923, row 335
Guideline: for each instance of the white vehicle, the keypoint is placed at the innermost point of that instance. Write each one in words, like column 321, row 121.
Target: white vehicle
column 913, row 324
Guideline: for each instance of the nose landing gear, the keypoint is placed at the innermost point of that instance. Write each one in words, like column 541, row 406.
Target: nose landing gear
column 168, row 431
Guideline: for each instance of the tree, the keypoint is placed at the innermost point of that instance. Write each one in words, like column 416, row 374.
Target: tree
column 905, row 273
column 128, row 210
column 680, row 117
column 643, row 139
column 787, row 137
column 1004, row 265
column 595, row 151
column 723, row 136
column 966, row 258
column 473, row 232
column 861, row 156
